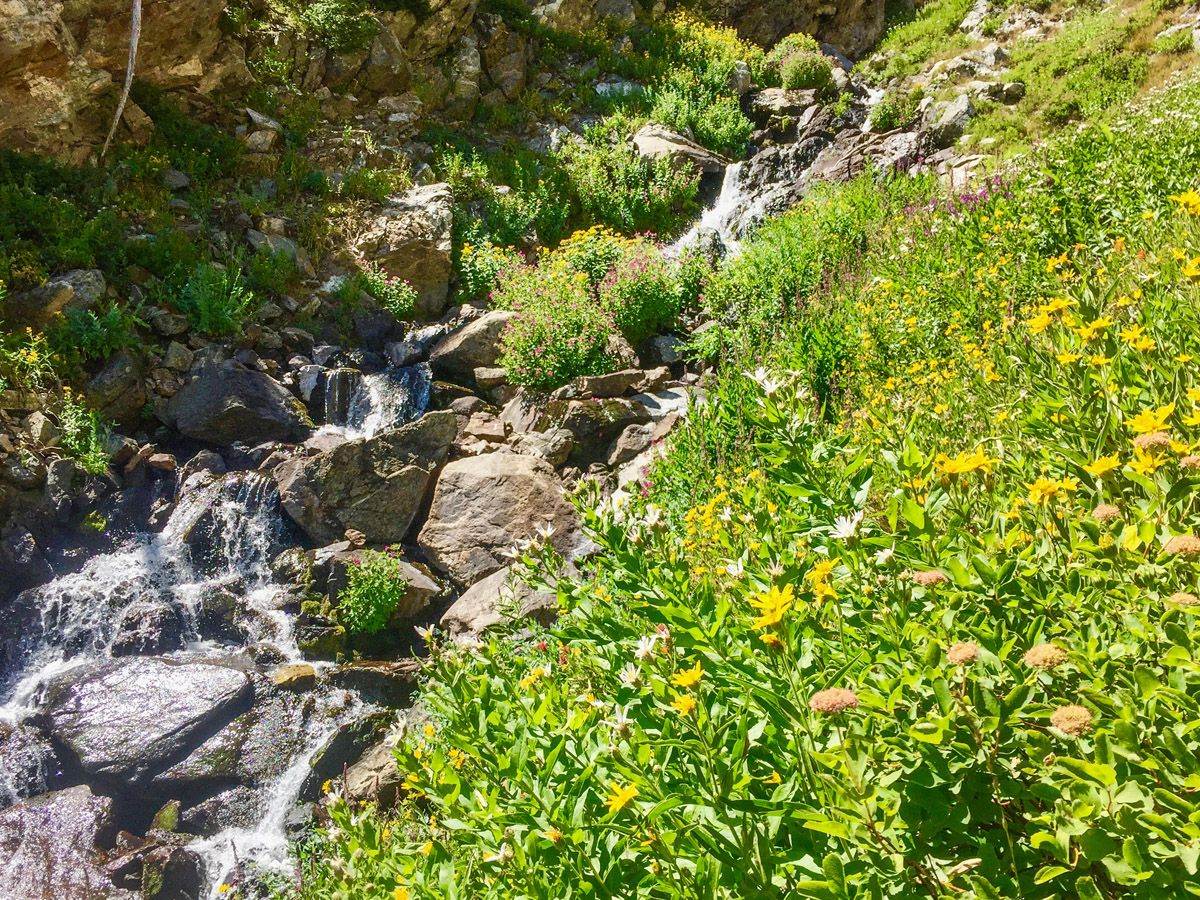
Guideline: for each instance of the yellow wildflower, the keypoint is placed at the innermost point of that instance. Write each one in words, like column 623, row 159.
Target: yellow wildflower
column 773, row 778
column 1149, row 420
column 684, row 704
column 1189, row 202
column 400, row 893
column 773, row 605
column 1103, row 465
column 1044, row 489
column 1065, row 359
column 688, row 677
column 1091, row 331
column 620, row 797
column 1146, row 463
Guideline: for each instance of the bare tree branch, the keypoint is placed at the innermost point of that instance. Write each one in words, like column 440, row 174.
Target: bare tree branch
column 135, row 33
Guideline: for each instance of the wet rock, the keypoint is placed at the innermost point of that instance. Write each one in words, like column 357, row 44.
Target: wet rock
column 126, row 720
column 346, row 745
column 390, row 682
column 485, row 504
column 414, row 347
column 410, row 239
column 148, row 629
column 482, row 605
column 229, row 403
column 653, row 142
column 374, row 485
column 49, row 848
column 296, row 677
column 29, row 764
column 476, row 345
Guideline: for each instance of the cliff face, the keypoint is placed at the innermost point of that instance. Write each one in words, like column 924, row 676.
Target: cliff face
column 852, row 26
column 61, row 61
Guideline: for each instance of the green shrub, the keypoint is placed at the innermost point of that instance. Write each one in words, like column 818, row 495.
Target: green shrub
column 685, row 104
column 204, row 152
column 215, row 300
column 375, row 585
column 560, row 332
column 83, row 434
column 896, row 109
column 341, row 25
column 394, row 294
column 84, row 335
column 367, row 183
column 641, row 292
column 617, row 188
column 270, row 271
column 480, row 266
column 800, row 64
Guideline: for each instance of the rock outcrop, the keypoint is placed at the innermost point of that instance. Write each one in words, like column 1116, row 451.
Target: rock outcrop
column 230, row 402
column 852, row 27
column 373, row 485
column 484, row 505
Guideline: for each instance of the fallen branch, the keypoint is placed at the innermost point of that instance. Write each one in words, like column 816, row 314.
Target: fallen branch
column 135, row 33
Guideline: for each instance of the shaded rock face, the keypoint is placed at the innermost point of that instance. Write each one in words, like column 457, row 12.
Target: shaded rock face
column 483, row 505
column 48, row 848
column 230, row 403
column 852, row 25
column 29, row 765
column 128, row 720
column 374, row 485
column 410, row 239
column 60, row 62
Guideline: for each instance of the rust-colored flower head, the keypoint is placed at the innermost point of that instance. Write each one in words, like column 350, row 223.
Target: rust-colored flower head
column 1155, row 440
column 1105, row 512
column 1073, row 720
column 928, row 578
column 1045, row 656
column 1191, row 462
column 1185, row 545
column 833, row 701
column 1183, row 598
column 963, row 653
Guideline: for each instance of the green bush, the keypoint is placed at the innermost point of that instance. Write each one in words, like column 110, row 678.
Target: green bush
column 480, row 266
column 83, row 434
column 375, row 585
column 341, row 25
column 685, row 104
column 800, row 64
column 560, row 331
column 85, row 335
column 215, row 300
column 394, row 294
column 896, row 109
column 367, row 183
column 617, row 188
column 270, row 271
column 641, row 292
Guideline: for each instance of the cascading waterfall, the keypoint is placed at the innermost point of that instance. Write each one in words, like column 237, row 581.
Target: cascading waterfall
column 723, row 217
column 358, row 405
column 222, row 536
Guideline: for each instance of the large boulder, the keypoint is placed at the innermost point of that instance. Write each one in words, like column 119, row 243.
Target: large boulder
column 229, row 402
column 374, row 485
column 116, row 391
column 126, row 720
column 482, row 605
column 474, row 346
column 410, row 239
column 484, row 505
column 653, row 142
column 29, row 762
column 78, row 289
column 49, row 848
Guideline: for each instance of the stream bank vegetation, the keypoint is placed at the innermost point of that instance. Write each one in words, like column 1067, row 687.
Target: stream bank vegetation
column 906, row 610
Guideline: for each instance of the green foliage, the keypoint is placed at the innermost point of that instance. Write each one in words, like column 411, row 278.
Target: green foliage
column 684, row 104
column 479, row 267
column 916, row 36
column 800, row 64
column 203, row 152
column 942, row 646
column 83, row 434
column 896, row 109
column 270, row 271
column 394, row 294
column 216, row 300
column 85, row 335
column 375, row 585
column 560, row 332
column 367, row 183
column 641, row 292
column 341, row 25
column 616, row 187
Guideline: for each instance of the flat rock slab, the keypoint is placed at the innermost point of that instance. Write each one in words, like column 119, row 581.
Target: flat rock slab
column 126, row 720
